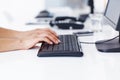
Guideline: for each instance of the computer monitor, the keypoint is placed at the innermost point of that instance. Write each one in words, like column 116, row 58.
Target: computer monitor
column 111, row 17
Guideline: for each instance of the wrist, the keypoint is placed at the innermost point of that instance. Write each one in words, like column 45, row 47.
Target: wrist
column 9, row 44
column 20, row 44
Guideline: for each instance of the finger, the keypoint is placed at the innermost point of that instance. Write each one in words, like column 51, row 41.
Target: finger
column 46, row 30
column 46, row 40
column 53, row 38
column 51, row 31
column 49, row 34
column 39, row 31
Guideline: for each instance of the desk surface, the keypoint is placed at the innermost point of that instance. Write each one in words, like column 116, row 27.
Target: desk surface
column 94, row 65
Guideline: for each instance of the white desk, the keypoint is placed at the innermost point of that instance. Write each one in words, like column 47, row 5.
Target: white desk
column 94, row 65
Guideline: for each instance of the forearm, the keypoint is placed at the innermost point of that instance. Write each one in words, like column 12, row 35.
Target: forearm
column 9, row 44
column 7, row 33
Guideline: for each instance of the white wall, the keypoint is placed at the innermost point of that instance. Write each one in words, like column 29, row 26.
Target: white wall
column 21, row 10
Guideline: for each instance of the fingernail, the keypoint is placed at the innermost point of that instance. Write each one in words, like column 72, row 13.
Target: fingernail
column 59, row 41
column 51, row 43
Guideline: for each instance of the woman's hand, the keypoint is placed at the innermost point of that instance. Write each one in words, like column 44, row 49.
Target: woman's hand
column 17, row 40
column 31, row 38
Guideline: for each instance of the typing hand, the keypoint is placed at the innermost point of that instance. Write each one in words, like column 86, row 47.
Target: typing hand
column 31, row 38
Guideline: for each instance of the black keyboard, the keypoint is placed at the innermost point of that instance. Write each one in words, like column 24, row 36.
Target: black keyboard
column 68, row 47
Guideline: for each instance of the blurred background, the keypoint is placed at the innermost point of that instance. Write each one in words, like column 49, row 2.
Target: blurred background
column 20, row 11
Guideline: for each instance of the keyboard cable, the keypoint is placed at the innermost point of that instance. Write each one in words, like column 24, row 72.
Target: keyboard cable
column 100, row 41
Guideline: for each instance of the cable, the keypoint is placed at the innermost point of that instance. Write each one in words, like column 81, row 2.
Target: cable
column 100, row 41
column 87, row 42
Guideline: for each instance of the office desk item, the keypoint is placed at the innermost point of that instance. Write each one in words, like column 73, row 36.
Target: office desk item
column 69, row 47
column 45, row 14
column 113, row 7
column 108, row 46
column 62, row 18
column 67, row 22
column 83, row 17
column 84, row 33
column 91, row 4
column 44, row 17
